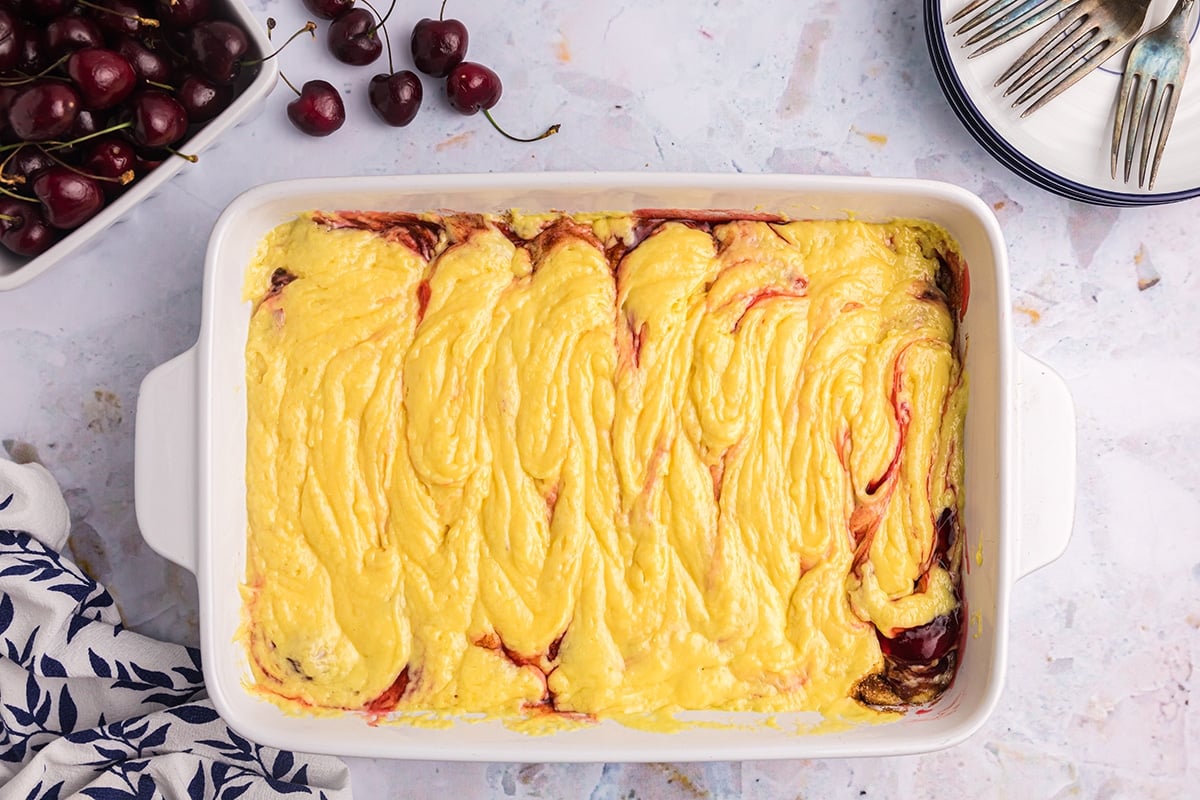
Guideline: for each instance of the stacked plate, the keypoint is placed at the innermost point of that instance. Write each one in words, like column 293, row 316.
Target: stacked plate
column 1064, row 146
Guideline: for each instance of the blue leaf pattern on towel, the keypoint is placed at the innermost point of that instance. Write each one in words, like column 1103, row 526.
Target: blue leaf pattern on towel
column 155, row 703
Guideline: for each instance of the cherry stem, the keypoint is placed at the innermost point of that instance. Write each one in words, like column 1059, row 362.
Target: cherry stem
column 28, row 78
column 149, row 23
column 164, row 86
column 553, row 129
column 60, row 145
column 8, row 218
column 18, row 196
column 309, row 27
column 123, row 179
column 289, row 83
column 386, row 39
column 442, row 12
column 192, row 157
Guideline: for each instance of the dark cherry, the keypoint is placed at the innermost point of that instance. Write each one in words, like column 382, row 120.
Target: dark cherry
column 71, row 32
column 473, row 87
column 43, row 111
column 7, row 93
column 110, row 157
column 104, row 77
column 69, row 199
column 147, row 64
column 328, row 9
column 924, row 644
column 438, row 45
column 396, row 98
column 118, row 16
column 203, row 99
column 47, row 9
column 177, row 14
column 158, row 119
column 23, row 228
column 11, row 36
column 215, row 49
column 29, row 162
column 33, row 58
column 318, row 109
column 354, row 37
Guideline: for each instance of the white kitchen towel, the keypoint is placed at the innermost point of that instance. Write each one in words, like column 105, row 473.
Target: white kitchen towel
column 89, row 709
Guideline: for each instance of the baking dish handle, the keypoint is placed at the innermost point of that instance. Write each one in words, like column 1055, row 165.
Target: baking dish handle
column 1046, row 444
column 164, row 466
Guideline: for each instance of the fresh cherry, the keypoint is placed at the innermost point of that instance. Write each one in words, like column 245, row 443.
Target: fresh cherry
column 104, row 77
column 48, row 9
column 72, row 32
column 33, row 58
column 215, row 48
column 176, row 14
column 43, row 111
column 69, row 198
column 23, row 228
column 472, row 88
column 203, row 99
column 11, row 35
column 28, row 162
column 328, row 9
column 7, row 93
column 438, row 45
column 396, row 98
column 111, row 157
column 120, row 16
column 317, row 109
column 354, row 37
column 148, row 65
column 158, row 119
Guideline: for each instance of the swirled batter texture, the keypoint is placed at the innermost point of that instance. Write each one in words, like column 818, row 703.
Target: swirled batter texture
column 565, row 468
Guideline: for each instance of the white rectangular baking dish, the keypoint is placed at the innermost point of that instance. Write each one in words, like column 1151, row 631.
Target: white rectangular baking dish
column 1020, row 459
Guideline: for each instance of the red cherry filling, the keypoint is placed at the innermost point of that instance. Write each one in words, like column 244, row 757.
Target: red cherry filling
column 924, row 644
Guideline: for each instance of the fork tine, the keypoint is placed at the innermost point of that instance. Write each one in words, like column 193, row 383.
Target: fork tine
column 998, row 18
column 1169, row 117
column 1138, row 109
column 1061, row 50
column 1094, row 59
column 974, row 4
column 1127, row 84
column 1017, row 22
column 1154, row 112
column 1044, row 41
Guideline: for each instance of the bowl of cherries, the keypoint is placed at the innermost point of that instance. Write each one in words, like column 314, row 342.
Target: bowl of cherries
column 103, row 101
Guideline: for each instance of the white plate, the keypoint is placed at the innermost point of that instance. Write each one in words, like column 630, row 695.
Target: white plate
column 1070, row 136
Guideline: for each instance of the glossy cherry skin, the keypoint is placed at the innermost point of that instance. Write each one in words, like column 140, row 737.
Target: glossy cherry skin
column 104, row 78
column 71, row 32
column 438, row 45
column 178, row 14
column 473, row 87
column 25, row 231
column 147, row 64
column 28, row 162
column 203, row 99
column 396, row 98
column 33, row 58
column 11, row 36
column 329, row 9
column 354, row 37
column 215, row 49
column 43, row 111
column 924, row 644
column 68, row 198
column 318, row 110
column 122, row 20
column 7, row 93
column 110, row 157
column 158, row 119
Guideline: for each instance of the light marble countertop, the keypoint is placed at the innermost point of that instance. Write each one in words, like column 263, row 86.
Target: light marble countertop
column 1100, row 690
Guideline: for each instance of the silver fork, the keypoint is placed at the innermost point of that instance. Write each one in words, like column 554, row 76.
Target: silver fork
column 1005, row 20
column 1087, row 33
column 1156, row 67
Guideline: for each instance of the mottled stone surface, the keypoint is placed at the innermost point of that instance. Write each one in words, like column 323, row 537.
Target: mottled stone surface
column 1100, row 690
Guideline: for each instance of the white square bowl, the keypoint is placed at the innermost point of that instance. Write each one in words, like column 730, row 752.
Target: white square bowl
column 1020, row 460
column 16, row 271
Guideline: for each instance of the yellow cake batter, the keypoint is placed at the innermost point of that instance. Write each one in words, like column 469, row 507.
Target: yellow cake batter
column 541, row 468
